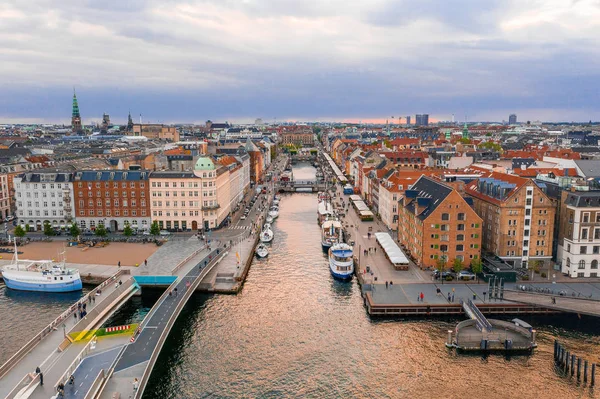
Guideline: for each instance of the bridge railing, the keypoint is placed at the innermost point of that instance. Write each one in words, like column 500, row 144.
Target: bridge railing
column 187, row 294
column 53, row 326
column 186, row 260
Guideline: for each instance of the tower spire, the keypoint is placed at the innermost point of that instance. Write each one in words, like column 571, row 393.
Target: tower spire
column 75, row 115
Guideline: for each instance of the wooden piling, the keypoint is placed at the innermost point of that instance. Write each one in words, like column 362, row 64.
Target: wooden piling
column 593, row 379
column 567, row 358
column 578, row 369
column 585, row 370
column 572, row 365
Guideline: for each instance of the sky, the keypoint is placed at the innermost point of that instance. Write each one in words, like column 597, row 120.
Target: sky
column 344, row 60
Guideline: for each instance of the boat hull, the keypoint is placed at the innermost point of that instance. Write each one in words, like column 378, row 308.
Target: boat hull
column 67, row 286
column 325, row 246
column 339, row 276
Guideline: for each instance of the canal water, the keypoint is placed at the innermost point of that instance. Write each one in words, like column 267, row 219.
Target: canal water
column 294, row 332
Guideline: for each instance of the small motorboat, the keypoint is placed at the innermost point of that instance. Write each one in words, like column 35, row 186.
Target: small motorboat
column 266, row 235
column 269, row 219
column 262, row 251
column 274, row 212
column 267, row 226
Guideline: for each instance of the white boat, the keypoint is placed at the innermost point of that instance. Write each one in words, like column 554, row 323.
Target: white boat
column 324, row 211
column 262, row 251
column 276, row 201
column 40, row 275
column 269, row 219
column 267, row 226
column 341, row 263
column 331, row 233
column 266, row 236
column 274, row 212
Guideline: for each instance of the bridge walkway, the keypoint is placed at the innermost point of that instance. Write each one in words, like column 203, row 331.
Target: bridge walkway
column 54, row 352
column 136, row 359
column 474, row 313
column 572, row 304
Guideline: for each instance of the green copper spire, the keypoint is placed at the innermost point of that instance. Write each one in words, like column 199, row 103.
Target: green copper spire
column 75, row 106
column 465, row 132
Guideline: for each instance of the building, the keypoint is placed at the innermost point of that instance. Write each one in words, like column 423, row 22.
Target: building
column 299, row 138
column 579, row 233
column 408, row 120
column 76, row 126
column 518, row 217
column 4, row 197
column 156, row 132
column 436, row 223
column 112, row 198
column 195, row 200
column 422, row 119
column 512, row 119
column 44, row 196
column 238, row 184
column 256, row 162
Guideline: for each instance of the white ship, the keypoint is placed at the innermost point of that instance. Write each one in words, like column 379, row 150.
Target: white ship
column 331, row 233
column 40, row 275
column 341, row 263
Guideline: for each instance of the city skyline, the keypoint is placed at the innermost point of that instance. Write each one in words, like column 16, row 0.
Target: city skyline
column 188, row 62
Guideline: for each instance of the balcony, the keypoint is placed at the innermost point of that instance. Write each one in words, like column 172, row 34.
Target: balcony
column 211, row 207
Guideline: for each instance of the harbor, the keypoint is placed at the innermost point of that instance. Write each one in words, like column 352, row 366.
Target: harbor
column 295, row 235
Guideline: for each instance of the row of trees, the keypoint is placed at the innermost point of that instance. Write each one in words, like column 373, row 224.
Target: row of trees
column 74, row 230
column 458, row 266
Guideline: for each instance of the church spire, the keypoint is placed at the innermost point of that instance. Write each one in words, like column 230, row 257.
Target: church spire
column 465, row 132
column 75, row 115
column 129, row 123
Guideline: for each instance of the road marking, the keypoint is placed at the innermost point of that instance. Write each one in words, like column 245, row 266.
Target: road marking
column 151, row 327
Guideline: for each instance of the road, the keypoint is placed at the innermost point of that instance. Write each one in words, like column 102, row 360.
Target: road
column 88, row 370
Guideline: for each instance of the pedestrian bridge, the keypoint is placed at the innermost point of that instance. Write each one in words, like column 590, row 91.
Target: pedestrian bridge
column 300, row 185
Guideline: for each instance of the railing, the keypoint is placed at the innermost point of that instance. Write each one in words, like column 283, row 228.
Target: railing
column 186, row 260
column 96, row 385
column 23, row 385
column 53, row 326
column 171, row 321
column 75, row 363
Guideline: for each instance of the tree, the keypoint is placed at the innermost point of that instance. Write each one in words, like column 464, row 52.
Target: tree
column 20, row 232
column 457, row 265
column 74, row 230
column 48, row 231
column 27, row 228
column 490, row 145
column 476, row 266
column 127, row 231
column 440, row 264
column 101, row 231
column 154, row 229
column 464, row 140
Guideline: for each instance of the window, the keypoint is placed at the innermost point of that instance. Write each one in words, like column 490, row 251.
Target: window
column 461, row 216
column 597, row 234
column 582, row 264
column 526, row 233
column 443, row 248
column 460, row 227
column 586, row 217
column 460, row 247
column 583, row 250
column 528, row 201
column 594, row 264
column 460, row 237
column 584, row 234
column 596, row 249
column 445, row 216
column 444, row 227
column 528, row 212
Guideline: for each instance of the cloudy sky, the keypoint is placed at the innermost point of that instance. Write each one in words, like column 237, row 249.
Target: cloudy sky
column 237, row 60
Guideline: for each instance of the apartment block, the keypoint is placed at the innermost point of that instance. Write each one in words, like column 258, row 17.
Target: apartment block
column 579, row 233
column 436, row 223
column 4, row 196
column 518, row 217
column 112, row 198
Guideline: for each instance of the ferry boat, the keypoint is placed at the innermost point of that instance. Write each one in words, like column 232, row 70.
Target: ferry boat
column 266, row 235
column 274, row 212
column 262, row 251
column 40, row 275
column 341, row 264
column 324, row 211
column 331, row 232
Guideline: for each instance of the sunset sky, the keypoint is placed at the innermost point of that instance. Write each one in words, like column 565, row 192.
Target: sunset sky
column 189, row 61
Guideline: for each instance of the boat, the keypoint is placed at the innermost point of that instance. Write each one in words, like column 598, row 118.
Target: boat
column 40, row 275
column 267, row 226
column 275, row 201
column 269, row 219
column 341, row 263
column 274, row 212
column 331, row 232
column 266, row 235
column 323, row 196
column 324, row 211
column 262, row 251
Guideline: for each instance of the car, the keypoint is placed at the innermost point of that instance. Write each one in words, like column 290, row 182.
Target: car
column 466, row 275
column 446, row 275
column 165, row 233
column 146, row 232
column 243, row 217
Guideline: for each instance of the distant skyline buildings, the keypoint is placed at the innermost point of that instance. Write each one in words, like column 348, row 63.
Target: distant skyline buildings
column 422, row 119
column 408, row 119
column 512, row 119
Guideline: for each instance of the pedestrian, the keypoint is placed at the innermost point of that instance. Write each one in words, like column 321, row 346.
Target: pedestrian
column 116, row 285
column 37, row 370
column 136, row 384
column 84, row 306
column 119, row 263
column 449, row 297
column 94, row 299
column 175, row 291
column 170, row 293
column 75, row 316
column 41, row 378
column 418, row 298
column 145, row 262
column 71, row 379
column 422, row 296
column 391, row 282
column 386, row 284
column 452, row 297
column 375, row 249
column 120, row 282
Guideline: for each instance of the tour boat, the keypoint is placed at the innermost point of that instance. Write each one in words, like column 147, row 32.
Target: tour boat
column 341, row 264
column 331, row 232
column 266, row 235
column 262, row 251
column 324, row 211
column 40, row 275
column 274, row 212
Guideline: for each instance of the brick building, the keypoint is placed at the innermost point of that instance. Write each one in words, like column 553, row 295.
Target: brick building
column 112, row 198
column 518, row 217
column 436, row 222
column 156, row 131
column 304, row 138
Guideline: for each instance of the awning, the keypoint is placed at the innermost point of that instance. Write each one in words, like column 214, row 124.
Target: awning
column 392, row 250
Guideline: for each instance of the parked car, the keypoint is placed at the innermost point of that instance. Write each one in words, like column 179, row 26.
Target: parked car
column 165, row 233
column 466, row 275
column 446, row 275
column 243, row 217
